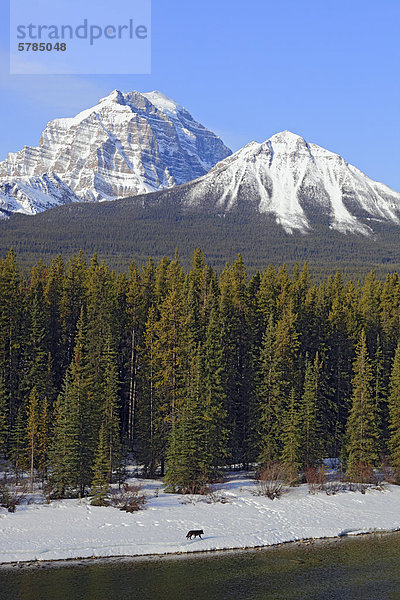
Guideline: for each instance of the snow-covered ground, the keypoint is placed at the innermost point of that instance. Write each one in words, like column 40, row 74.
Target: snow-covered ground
column 74, row 529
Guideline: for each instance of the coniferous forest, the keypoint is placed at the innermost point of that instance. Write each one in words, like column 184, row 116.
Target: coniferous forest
column 190, row 371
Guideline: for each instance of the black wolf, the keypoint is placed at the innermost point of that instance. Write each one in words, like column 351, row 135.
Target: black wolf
column 194, row 533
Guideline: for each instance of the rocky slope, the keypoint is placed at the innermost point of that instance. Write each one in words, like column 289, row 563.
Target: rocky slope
column 127, row 144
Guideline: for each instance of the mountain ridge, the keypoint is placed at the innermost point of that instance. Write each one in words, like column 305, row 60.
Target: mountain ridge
column 297, row 182
column 149, row 149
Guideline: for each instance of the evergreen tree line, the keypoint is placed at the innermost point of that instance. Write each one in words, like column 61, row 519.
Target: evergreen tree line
column 193, row 371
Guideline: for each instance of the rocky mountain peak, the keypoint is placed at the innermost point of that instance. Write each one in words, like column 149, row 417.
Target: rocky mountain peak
column 127, row 144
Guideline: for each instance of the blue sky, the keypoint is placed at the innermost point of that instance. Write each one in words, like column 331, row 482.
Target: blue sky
column 327, row 70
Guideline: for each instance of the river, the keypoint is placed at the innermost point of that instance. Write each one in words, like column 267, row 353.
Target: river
column 366, row 567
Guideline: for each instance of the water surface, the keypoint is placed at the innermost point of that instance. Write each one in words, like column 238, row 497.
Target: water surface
column 353, row 569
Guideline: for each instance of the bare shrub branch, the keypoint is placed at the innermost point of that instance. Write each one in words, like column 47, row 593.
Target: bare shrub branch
column 10, row 498
column 271, row 480
column 129, row 498
column 316, row 479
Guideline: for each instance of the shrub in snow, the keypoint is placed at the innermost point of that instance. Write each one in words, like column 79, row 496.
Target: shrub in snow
column 315, row 478
column 216, row 496
column 10, row 498
column 129, row 498
column 362, row 473
column 335, row 486
column 208, row 495
column 271, row 480
column 388, row 473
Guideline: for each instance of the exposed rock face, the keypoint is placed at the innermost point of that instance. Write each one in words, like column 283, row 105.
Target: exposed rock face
column 30, row 195
column 127, row 144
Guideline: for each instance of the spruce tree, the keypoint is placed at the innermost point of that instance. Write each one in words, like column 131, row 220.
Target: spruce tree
column 32, row 433
column 339, row 357
column 291, row 438
column 73, row 299
column 237, row 362
column 12, row 331
column 110, row 417
column 136, row 311
column 150, row 424
column 155, row 281
column 189, row 460
column 197, row 297
column 362, row 432
column 389, row 317
column 53, row 295
column 286, row 347
column 4, row 425
column 380, row 384
column 101, row 326
column 77, row 419
column 59, row 478
column 197, row 443
column 311, row 447
column 101, row 478
column 211, row 379
column 370, row 308
column 267, row 294
column 18, row 444
column 170, row 352
column 268, row 416
column 394, row 413
column 39, row 373
column 43, row 435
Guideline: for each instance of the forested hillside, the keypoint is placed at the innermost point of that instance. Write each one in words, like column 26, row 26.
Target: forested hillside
column 192, row 371
column 126, row 230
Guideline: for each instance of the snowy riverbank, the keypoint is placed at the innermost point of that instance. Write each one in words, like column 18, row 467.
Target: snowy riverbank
column 74, row 529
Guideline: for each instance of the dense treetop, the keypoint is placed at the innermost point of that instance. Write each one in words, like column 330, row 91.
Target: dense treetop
column 191, row 370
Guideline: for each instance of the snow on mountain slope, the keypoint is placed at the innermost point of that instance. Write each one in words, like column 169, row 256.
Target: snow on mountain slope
column 296, row 182
column 30, row 195
column 127, row 144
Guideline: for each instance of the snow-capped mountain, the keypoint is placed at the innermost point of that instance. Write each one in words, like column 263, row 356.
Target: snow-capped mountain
column 297, row 183
column 132, row 144
column 128, row 144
